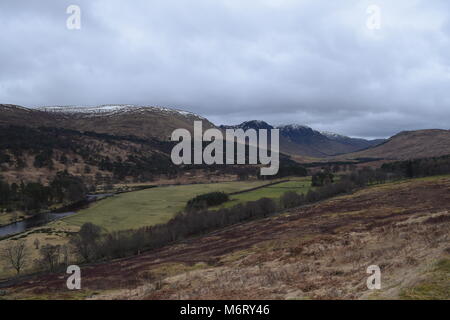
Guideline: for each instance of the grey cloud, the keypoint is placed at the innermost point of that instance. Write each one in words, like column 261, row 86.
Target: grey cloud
column 309, row 62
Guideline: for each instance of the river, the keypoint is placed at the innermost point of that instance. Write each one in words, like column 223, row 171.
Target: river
column 42, row 219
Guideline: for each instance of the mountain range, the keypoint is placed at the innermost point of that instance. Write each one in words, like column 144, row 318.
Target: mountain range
column 152, row 123
column 302, row 140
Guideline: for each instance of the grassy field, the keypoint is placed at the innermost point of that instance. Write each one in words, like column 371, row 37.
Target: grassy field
column 151, row 206
column 436, row 286
column 299, row 185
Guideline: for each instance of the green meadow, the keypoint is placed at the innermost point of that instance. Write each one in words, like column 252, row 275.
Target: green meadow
column 151, row 206
column 299, row 185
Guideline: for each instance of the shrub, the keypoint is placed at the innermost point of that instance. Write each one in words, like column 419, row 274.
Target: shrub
column 207, row 200
column 291, row 199
column 322, row 178
column 85, row 241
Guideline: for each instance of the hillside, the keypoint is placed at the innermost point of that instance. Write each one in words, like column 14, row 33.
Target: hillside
column 122, row 120
column 103, row 145
column 32, row 154
column 408, row 145
column 139, row 121
column 319, row 251
column 20, row 116
column 353, row 142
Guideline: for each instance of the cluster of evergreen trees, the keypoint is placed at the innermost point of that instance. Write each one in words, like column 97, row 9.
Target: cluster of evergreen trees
column 207, row 200
column 34, row 196
column 418, row 167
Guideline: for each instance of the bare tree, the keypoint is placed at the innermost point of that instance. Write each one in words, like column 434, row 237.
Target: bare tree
column 16, row 255
column 50, row 256
column 36, row 243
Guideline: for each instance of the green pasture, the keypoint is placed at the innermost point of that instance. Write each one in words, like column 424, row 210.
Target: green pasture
column 151, row 206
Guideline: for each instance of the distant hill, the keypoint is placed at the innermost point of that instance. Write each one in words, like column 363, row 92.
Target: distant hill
column 409, row 145
column 304, row 141
column 354, row 142
column 122, row 120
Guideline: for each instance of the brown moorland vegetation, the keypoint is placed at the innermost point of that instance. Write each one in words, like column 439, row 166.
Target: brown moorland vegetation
column 319, row 251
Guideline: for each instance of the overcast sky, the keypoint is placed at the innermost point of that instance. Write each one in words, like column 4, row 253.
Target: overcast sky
column 283, row 61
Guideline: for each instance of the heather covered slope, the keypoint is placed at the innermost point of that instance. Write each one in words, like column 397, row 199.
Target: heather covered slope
column 121, row 142
column 313, row 252
column 38, row 153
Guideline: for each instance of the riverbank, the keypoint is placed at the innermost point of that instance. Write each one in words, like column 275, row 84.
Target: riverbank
column 12, row 217
column 43, row 218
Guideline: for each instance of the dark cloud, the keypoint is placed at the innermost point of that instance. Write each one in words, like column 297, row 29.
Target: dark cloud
column 283, row 61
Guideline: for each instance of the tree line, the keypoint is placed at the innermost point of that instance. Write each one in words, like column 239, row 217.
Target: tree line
column 419, row 167
column 32, row 197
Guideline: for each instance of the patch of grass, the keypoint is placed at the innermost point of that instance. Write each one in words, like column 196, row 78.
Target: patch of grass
column 436, row 287
column 299, row 185
column 66, row 295
column 171, row 269
column 236, row 255
column 347, row 213
column 151, row 206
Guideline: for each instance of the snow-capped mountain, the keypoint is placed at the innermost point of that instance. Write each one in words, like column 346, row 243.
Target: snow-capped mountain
column 159, row 122
column 253, row 124
column 116, row 119
column 302, row 140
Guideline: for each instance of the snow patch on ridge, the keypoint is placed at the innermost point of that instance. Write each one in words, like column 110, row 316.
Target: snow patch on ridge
column 109, row 110
column 293, row 126
column 332, row 134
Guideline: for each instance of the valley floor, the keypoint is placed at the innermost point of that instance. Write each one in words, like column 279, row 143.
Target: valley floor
column 319, row 251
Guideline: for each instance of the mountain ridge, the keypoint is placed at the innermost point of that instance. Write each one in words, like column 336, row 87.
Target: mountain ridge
column 140, row 121
column 152, row 122
column 301, row 140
